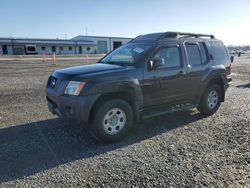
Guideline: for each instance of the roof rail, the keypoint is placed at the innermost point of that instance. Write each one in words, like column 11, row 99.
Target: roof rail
column 183, row 35
column 170, row 34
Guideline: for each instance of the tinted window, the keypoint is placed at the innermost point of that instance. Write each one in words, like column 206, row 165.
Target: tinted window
column 204, row 52
column 193, row 53
column 170, row 56
column 220, row 53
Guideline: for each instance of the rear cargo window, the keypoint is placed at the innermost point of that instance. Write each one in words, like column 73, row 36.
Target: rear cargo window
column 219, row 52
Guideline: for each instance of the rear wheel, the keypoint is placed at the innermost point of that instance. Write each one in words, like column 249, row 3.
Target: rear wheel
column 112, row 120
column 211, row 100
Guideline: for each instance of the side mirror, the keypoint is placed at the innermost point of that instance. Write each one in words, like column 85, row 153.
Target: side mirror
column 156, row 62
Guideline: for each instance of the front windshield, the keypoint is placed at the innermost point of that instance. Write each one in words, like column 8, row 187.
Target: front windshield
column 128, row 54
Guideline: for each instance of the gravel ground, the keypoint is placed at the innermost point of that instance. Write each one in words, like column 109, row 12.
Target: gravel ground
column 182, row 149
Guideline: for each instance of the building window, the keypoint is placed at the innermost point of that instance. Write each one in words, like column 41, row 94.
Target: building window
column 70, row 48
column 43, row 48
column 31, row 48
column 88, row 48
column 61, row 48
column 116, row 44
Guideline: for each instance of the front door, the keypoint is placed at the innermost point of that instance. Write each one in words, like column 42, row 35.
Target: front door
column 165, row 84
column 80, row 50
column 53, row 49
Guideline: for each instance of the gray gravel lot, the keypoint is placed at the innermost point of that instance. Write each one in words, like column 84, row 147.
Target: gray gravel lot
column 182, row 149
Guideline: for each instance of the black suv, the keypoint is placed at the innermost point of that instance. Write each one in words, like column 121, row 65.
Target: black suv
column 153, row 74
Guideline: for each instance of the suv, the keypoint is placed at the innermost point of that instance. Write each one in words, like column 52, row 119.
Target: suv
column 152, row 75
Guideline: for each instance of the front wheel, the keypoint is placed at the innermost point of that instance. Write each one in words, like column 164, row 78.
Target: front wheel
column 211, row 100
column 112, row 120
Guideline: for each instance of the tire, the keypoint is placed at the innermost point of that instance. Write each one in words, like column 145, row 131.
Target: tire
column 112, row 121
column 211, row 100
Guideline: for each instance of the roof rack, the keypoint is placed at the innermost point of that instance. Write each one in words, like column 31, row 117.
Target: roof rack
column 184, row 35
column 171, row 34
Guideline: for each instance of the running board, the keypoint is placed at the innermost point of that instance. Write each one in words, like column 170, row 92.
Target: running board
column 152, row 113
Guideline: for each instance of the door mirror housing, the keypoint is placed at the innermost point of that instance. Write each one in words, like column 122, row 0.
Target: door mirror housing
column 156, row 62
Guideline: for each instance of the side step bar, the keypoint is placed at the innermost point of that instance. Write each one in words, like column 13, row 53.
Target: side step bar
column 162, row 111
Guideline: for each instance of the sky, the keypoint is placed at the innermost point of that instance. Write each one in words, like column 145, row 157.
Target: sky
column 227, row 20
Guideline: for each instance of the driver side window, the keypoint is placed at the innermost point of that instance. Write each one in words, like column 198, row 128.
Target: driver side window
column 170, row 56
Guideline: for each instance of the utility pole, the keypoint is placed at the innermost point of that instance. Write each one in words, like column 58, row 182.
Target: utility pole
column 86, row 31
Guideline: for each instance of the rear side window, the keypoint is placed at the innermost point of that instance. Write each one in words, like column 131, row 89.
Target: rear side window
column 204, row 52
column 194, row 57
column 219, row 52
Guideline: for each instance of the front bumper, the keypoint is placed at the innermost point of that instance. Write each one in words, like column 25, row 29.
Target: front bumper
column 75, row 108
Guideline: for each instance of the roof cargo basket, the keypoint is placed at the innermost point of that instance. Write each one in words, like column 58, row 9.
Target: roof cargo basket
column 184, row 35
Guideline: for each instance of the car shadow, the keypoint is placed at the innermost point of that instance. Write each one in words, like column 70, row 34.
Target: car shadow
column 243, row 86
column 38, row 146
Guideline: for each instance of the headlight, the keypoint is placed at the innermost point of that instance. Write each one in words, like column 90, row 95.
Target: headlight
column 74, row 88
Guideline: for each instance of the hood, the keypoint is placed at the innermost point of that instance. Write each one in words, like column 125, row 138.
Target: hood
column 71, row 72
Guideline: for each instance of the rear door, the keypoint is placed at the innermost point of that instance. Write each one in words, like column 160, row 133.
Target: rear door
column 197, row 58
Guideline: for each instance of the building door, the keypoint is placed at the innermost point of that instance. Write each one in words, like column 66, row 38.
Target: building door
column 53, row 49
column 80, row 50
column 116, row 44
column 5, row 50
column 18, row 50
column 102, row 47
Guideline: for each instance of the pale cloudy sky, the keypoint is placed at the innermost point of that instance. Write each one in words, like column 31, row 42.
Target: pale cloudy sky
column 227, row 20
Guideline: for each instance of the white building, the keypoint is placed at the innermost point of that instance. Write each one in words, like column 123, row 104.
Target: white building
column 104, row 44
column 77, row 45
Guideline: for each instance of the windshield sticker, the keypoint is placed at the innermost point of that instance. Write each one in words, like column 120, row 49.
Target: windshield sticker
column 138, row 50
